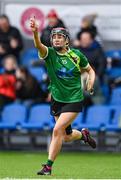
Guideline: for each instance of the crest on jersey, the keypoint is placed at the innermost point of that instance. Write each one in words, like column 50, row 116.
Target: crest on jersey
column 64, row 61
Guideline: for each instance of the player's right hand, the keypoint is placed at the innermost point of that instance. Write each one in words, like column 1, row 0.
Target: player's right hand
column 33, row 24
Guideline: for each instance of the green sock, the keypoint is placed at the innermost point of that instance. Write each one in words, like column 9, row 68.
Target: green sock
column 49, row 163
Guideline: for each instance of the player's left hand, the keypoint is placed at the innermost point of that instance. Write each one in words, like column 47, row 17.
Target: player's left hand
column 89, row 86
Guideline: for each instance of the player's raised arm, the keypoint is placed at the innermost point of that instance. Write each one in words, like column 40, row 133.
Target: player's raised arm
column 37, row 42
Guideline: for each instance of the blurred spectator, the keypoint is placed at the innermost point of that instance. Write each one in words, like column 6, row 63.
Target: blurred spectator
column 87, row 24
column 94, row 52
column 53, row 22
column 96, row 57
column 10, row 38
column 28, row 88
column 8, row 81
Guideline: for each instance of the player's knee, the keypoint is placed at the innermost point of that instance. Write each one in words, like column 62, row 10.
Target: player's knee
column 57, row 131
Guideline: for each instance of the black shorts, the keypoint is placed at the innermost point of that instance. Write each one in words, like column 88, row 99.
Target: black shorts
column 58, row 107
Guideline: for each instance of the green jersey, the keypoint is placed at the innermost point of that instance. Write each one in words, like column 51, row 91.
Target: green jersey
column 64, row 73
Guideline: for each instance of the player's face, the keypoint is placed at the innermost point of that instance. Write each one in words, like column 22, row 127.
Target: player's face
column 58, row 40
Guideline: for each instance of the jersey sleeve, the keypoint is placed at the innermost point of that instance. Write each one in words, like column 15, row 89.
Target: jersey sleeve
column 48, row 55
column 43, row 58
column 83, row 61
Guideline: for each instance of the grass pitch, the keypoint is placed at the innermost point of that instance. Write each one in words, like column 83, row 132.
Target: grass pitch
column 67, row 166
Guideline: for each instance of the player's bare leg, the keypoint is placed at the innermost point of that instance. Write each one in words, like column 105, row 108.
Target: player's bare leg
column 84, row 135
column 63, row 121
column 75, row 135
column 59, row 135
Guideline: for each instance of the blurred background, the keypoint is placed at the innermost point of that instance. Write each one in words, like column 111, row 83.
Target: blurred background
column 95, row 29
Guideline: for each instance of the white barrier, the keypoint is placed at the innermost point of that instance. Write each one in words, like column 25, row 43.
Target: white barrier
column 108, row 21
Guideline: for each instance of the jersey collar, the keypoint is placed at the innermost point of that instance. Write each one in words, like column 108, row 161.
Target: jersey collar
column 63, row 53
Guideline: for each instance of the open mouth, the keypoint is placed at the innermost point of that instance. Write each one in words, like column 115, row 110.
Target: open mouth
column 57, row 44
